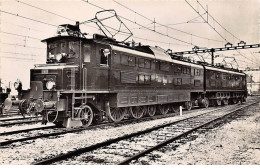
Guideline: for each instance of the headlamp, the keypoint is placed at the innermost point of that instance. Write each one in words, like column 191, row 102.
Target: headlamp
column 58, row 57
column 51, row 55
column 50, row 85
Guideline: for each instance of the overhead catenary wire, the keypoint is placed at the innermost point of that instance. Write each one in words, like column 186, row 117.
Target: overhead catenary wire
column 254, row 56
column 249, row 61
column 7, row 52
column 218, row 22
column 163, row 25
column 73, row 20
column 25, row 27
column 135, row 37
column 61, row 16
column 214, row 29
column 35, row 20
column 45, row 10
column 158, row 41
column 21, row 45
column 148, row 39
column 206, row 21
column 14, row 34
column 143, row 26
column 246, row 57
column 27, row 59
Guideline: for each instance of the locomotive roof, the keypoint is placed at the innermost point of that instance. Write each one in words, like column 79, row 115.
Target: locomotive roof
column 223, row 70
column 157, row 54
column 63, row 37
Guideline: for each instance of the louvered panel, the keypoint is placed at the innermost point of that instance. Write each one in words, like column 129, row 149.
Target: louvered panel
column 128, row 77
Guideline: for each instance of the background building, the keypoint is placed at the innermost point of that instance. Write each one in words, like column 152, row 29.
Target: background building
column 253, row 81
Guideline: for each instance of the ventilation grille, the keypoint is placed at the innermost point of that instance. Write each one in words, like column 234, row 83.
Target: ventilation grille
column 128, row 77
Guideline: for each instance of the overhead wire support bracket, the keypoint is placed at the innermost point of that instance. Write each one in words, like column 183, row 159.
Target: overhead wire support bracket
column 227, row 47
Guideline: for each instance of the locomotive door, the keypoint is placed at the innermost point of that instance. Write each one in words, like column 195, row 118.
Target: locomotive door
column 96, row 67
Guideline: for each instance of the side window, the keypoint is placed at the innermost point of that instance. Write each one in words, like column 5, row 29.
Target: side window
column 144, row 63
column 212, row 75
column 131, row 60
column 86, row 52
column 224, row 77
column 73, row 49
column 186, row 70
column 178, row 82
column 147, row 64
column 104, row 54
column 141, row 62
column 127, row 60
column 141, row 79
column 217, row 75
column 63, row 47
column 177, row 69
column 144, row 79
column 147, row 79
column 196, row 72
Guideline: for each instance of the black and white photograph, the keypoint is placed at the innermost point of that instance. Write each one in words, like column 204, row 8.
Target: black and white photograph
column 129, row 82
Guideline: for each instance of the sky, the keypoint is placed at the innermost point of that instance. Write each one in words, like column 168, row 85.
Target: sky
column 175, row 23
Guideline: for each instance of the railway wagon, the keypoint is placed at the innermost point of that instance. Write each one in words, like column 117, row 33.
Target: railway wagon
column 92, row 80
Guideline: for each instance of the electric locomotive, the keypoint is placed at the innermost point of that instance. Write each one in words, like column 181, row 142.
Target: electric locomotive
column 92, row 80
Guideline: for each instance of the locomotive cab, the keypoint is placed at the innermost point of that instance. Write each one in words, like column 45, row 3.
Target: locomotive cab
column 74, row 67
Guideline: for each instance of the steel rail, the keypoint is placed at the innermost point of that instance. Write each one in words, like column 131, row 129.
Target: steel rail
column 110, row 141
column 13, row 119
column 164, row 143
column 90, row 127
column 18, row 123
column 73, row 130
column 9, row 115
column 25, row 130
column 4, row 143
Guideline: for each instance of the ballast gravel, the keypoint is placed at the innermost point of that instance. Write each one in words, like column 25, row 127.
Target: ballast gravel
column 31, row 151
column 234, row 143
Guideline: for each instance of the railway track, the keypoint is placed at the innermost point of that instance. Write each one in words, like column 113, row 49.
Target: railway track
column 56, row 132
column 14, row 119
column 19, row 123
column 127, row 148
column 26, row 130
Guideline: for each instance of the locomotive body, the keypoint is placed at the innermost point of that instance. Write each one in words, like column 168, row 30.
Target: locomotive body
column 92, row 80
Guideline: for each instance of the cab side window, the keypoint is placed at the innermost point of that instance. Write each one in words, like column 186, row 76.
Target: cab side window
column 86, row 52
column 104, row 54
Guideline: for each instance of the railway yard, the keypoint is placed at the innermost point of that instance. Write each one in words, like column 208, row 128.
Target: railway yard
column 129, row 83
column 215, row 135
